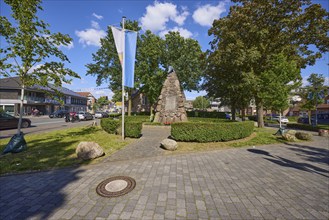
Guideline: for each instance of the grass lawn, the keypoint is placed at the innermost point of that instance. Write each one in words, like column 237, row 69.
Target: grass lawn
column 261, row 136
column 57, row 149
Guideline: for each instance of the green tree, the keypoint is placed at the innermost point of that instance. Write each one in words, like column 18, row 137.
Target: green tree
column 148, row 66
column 186, row 57
column 201, row 102
column 224, row 73
column 153, row 57
column 314, row 93
column 31, row 48
column 266, row 29
column 101, row 101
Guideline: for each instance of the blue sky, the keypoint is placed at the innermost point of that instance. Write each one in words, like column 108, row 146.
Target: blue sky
column 86, row 22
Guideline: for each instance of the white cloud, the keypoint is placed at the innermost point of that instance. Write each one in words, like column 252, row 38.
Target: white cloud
column 99, row 17
column 182, row 31
column 206, row 14
column 158, row 14
column 90, row 37
column 95, row 24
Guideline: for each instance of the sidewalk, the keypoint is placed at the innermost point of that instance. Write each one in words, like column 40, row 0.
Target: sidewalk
column 286, row 181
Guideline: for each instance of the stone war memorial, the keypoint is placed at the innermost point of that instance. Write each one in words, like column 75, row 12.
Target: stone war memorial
column 170, row 106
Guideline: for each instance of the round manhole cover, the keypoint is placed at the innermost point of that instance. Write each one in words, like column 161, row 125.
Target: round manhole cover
column 116, row 186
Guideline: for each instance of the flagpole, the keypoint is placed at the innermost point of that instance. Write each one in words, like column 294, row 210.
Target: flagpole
column 123, row 79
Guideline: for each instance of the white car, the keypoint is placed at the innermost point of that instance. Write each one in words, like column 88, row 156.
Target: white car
column 85, row 116
column 283, row 119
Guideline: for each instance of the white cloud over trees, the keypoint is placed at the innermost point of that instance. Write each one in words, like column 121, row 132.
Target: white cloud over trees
column 158, row 14
column 206, row 14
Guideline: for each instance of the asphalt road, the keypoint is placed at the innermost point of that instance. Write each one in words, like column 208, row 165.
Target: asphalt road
column 45, row 124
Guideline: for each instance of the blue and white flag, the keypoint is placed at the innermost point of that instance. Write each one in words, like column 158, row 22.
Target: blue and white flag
column 130, row 54
column 128, row 47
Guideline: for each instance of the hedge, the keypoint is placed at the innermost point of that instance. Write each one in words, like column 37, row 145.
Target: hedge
column 216, row 120
column 306, row 127
column 206, row 114
column 110, row 125
column 211, row 132
column 133, row 126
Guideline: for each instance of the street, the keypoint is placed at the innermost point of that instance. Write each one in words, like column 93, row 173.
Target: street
column 45, row 124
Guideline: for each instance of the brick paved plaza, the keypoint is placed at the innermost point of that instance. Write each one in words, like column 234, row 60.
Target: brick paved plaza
column 287, row 181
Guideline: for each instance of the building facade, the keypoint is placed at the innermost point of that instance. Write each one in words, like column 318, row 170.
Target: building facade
column 91, row 100
column 37, row 97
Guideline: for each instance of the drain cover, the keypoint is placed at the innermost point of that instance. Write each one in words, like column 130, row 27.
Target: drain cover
column 116, row 186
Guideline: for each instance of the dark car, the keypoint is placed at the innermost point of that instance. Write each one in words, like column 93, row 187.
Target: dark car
column 8, row 121
column 58, row 114
column 101, row 115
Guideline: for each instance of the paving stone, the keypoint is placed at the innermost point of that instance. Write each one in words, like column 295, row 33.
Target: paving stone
column 287, row 181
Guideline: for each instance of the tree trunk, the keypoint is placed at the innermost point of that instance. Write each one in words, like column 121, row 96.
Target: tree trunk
column 21, row 110
column 233, row 111
column 260, row 112
column 243, row 114
column 309, row 117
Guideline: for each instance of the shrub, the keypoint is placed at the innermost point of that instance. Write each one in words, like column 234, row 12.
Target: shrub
column 210, row 132
column 133, row 129
column 216, row 120
column 252, row 117
column 303, row 136
column 206, row 114
column 109, row 125
column 133, row 126
column 306, row 127
column 115, row 115
column 140, row 113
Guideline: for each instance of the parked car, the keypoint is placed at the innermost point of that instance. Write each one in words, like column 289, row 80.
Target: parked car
column 85, row 116
column 58, row 114
column 101, row 115
column 323, row 118
column 8, row 121
column 283, row 119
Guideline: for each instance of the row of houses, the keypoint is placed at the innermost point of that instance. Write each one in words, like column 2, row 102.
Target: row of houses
column 36, row 97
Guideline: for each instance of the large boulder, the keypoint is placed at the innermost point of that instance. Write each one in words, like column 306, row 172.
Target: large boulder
column 292, row 132
column 89, row 150
column 289, row 137
column 304, row 136
column 169, row 144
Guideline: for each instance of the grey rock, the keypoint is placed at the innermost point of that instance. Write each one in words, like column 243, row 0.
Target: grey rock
column 169, row 144
column 303, row 136
column 289, row 137
column 89, row 150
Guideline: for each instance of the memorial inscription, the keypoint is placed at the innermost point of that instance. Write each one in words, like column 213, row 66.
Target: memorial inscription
column 171, row 103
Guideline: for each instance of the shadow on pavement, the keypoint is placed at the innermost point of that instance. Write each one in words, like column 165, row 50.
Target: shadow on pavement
column 313, row 154
column 35, row 195
column 290, row 163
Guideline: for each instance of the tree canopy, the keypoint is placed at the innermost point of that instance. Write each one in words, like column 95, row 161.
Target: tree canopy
column 201, row 102
column 31, row 49
column 255, row 37
column 154, row 55
column 313, row 93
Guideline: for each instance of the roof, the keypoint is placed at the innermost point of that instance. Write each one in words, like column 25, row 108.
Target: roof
column 85, row 94
column 15, row 83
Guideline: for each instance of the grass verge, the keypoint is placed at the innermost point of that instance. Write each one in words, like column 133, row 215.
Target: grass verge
column 57, row 149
